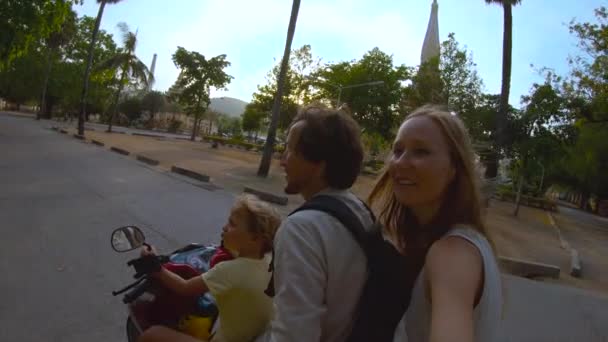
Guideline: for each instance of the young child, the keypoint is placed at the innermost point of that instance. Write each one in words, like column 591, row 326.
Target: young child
column 238, row 285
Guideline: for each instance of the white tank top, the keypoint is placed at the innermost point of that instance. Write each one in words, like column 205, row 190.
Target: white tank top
column 488, row 313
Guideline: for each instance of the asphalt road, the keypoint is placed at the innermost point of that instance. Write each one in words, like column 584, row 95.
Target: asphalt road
column 588, row 234
column 60, row 198
column 59, row 201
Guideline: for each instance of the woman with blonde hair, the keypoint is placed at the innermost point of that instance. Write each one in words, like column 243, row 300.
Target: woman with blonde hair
column 429, row 202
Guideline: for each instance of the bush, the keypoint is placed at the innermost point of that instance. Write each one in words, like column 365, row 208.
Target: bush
column 239, row 142
column 174, row 125
column 374, row 164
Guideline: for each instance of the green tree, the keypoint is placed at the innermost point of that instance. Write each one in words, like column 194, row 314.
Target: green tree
column 585, row 163
column 130, row 66
column 53, row 43
column 586, row 87
column 87, row 72
column 507, row 43
column 153, row 101
column 536, row 134
column 66, row 77
column 21, row 80
column 251, row 120
column 296, row 90
column 26, row 22
column 212, row 117
column 374, row 106
column 132, row 108
column 197, row 75
column 461, row 85
column 228, row 125
column 276, row 107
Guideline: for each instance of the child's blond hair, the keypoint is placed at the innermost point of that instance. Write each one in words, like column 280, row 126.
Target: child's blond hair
column 262, row 219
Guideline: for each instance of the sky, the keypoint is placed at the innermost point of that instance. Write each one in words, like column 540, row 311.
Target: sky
column 252, row 34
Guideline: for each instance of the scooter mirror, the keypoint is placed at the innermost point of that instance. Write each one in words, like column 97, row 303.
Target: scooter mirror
column 127, row 238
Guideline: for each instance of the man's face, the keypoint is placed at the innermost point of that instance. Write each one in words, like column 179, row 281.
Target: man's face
column 300, row 173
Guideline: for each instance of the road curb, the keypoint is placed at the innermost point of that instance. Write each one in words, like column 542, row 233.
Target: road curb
column 575, row 264
column 63, row 131
column 98, row 143
column 120, row 150
column 267, row 196
column 564, row 244
column 528, row 269
column 575, row 260
column 78, row 136
column 189, row 173
column 147, row 160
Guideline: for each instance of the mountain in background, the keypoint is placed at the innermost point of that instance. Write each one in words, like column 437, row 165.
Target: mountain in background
column 228, row 105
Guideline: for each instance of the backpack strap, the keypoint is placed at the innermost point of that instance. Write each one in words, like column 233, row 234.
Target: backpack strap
column 341, row 212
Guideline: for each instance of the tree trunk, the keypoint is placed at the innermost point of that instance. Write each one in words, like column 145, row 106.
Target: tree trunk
column 276, row 107
column 506, row 74
column 518, row 198
column 117, row 98
column 491, row 164
column 45, row 85
column 195, row 128
column 87, row 71
column 584, row 202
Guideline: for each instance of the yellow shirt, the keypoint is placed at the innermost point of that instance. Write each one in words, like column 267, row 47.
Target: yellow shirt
column 238, row 287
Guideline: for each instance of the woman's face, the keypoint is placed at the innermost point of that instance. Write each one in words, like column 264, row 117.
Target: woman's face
column 420, row 166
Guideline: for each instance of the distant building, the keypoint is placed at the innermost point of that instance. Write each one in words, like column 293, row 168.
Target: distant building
column 431, row 45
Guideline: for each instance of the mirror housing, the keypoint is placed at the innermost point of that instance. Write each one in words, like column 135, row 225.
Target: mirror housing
column 127, row 238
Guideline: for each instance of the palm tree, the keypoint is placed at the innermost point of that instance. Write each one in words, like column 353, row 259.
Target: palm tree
column 276, row 107
column 128, row 63
column 507, row 41
column 55, row 40
column 87, row 71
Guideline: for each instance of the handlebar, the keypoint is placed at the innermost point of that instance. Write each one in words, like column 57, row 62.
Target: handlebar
column 137, row 291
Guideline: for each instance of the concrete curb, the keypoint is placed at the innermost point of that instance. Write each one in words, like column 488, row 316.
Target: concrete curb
column 267, row 196
column 55, row 128
column 528, row 269
column 147, row 160
column 120, row 151
column 98, row 143
column 63, row 131
column 575, row 264
column 575, row 260
column 564, row 244
column 146, row 135
column 189, row 173
column 78, row 136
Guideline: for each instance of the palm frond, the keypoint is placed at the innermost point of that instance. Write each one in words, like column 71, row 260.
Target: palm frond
column 114, row 62
column 139, row 71
column 125, row 33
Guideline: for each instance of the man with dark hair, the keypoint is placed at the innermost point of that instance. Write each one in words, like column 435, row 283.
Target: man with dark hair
column 319, row 268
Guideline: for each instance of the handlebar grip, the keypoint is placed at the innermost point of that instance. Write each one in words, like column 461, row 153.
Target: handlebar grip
column 136, row 292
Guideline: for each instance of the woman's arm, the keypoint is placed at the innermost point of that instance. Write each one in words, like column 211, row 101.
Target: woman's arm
column 454, row 271
column 191, row 287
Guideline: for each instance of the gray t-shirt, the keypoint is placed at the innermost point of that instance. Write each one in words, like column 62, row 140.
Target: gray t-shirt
column 319, row 275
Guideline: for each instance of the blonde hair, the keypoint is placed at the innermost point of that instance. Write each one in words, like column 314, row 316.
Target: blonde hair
column 462, row 200
column 262, row 219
